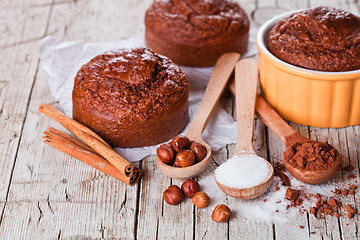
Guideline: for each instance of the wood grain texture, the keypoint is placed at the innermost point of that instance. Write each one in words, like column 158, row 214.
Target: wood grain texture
column 45, row 194
column 19, row 64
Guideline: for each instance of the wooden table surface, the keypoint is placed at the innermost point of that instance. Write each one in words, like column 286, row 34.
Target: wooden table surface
column 45, row 194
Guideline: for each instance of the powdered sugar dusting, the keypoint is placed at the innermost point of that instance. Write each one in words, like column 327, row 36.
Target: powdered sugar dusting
column 117, row 59
column 260, row 208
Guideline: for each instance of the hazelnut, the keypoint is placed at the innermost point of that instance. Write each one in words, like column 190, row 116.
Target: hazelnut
column 184, row 158
column 166, row 153
column 199, row 150
column 173, row 195
column 190, row 187
column 180, row 142
column 221, row 213
column 201, row 199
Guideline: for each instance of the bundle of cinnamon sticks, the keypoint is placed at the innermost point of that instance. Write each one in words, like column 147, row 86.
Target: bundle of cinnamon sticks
column 95, row 152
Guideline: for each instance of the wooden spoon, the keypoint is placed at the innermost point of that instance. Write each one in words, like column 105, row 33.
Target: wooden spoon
column 221, row 74
column 289, row 136
column 246, row 87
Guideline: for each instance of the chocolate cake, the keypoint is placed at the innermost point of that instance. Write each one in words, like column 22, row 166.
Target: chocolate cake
column 322, row 38
column 131, row 97
column 196, row 32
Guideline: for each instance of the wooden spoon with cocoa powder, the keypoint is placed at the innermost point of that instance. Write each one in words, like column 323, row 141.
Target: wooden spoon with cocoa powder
column 220, row 76
column 307, row 160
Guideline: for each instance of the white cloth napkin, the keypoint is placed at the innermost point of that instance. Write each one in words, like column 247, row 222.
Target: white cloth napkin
column 62, row 60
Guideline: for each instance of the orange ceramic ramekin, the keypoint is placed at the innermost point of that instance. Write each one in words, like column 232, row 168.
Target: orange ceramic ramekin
column 307, row 97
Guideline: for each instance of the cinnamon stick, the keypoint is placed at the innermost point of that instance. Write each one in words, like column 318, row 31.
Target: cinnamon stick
column 80, row 151
column 89, row 137
column 68, row 123
column 68, row 137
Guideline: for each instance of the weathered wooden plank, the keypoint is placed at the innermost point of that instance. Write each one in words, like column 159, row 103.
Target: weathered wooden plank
column 316, row 227
column 15, row 19
column 151, row 203
column 281, row 230
column 98, row 20
column 205, row 227
column 157, row 219
column 32, row 175
column 344, row 140
column 50, row 177
column 19, row 64
column 178, row 218
column 345, row 5
column 328, row 227
column 55, row 196
column 292, row 5
column 247, row 5
column 46, row 175
column 65, row 220
column 266, row 4
column 264, row 10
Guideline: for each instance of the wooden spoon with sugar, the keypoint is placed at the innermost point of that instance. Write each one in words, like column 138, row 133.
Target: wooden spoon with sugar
column 245, row 175
column 307, row 160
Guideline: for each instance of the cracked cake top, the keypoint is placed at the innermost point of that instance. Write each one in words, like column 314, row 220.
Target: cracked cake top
column 130, row 84
column 322, row 38
column 196, row 22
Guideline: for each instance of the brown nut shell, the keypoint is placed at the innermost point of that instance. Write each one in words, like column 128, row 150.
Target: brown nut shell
column 166, row 153
column 201, row 199
column 184, row 158
column 221, row 213
column 190, row 187
column 173, row 195
column 199, row 150
column 180, row 142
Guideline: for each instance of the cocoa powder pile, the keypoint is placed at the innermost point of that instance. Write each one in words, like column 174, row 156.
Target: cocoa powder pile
column 329, row 206
column 293, row 196
column 324, row 206
column 311, row 156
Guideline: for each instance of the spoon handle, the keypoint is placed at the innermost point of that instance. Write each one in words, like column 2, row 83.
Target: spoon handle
column 246, row 82
column 268, row 115
column 273, row 120
column 221, row 74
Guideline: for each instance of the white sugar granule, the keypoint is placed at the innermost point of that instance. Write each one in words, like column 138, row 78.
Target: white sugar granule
column 242, row 171
column 272, row 205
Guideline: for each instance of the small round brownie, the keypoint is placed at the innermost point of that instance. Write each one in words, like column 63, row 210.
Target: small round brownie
column 196, row 32
column 322, row 38
column 131, row 97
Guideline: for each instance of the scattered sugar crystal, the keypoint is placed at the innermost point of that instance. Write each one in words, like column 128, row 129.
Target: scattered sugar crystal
column 242, row 171
column 272, row 205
